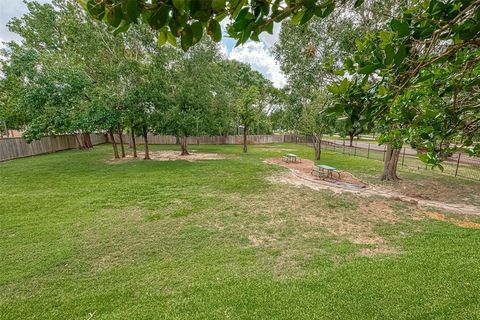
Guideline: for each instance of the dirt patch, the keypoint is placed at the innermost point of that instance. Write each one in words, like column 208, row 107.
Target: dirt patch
column 298, row 177
column 461, row 223
column 283, row 223
column 172, row 156
column 305, row 168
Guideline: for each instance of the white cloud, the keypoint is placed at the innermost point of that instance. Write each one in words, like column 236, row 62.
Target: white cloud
column 271, row 39
column 258, row 56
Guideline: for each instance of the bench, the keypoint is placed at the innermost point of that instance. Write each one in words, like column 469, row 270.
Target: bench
column 326, row 170
column 290, row 157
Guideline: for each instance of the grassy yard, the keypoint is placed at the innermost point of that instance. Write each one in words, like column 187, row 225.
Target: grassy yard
column 84, row 238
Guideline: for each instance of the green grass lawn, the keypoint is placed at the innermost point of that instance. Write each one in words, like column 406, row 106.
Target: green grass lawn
column 217, row 240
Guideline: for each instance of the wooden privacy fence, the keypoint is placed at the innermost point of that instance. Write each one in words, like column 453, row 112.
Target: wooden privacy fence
column 13, row 148
column 251, row 139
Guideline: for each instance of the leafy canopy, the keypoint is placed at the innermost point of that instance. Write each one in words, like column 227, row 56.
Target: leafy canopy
column 188, row 20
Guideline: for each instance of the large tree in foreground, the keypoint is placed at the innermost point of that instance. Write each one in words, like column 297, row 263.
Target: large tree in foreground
column 189, row 20
column 424, row 69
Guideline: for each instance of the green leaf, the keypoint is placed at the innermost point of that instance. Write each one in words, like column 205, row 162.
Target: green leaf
column 179, row 5
column 358, row 3
column 124, row 25
column 240, row 24
column 400, row 55
column 389, row 54
column 402, row 28
column 171, row 39
column 214, row 30
column 329, row 9
column 309, row 4
column 197, row 31
column 369, row 68
column 132, row 10
column 115, row 16
column 162, row 38
column 269, row 27
column 307, row 16
column 386, row 37
column 186, row 39
column 244, row 36
column 297, row 17
column 344, row 85
column 218, row 5
column 160, row 17
column 423, row 157
column 175, row 28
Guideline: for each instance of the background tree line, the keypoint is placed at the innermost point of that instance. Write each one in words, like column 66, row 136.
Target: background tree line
column 71, row 74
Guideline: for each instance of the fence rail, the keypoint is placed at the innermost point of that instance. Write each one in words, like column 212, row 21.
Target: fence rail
column 230, row 139
column 13, row 148
column 458, row 164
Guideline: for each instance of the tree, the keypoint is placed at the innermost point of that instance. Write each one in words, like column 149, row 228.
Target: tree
column 11, row 86
column 188, row 20
column 249, row 107
column 316, row 120
column 192, row 96
column 309, row 55
column 49, row 67
column 351, row 101
column 409, row 56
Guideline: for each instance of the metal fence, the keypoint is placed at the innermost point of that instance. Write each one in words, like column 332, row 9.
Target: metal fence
column 458, row 165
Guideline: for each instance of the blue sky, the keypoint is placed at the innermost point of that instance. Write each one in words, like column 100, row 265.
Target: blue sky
column 257, row 54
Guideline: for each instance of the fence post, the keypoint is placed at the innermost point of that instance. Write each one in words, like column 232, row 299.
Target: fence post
column 343, row 146
column 403, row 158
column 355, row 149
column 384, row 152
column 458, row 162
column 368, row 151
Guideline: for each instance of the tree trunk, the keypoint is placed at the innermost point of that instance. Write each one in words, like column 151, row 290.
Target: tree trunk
column 114, row 145
column 145, row 141
column 224, row 138
column 184, row 146
column 134, row 143
column 390, row 165
column 317, row 146
column 122, row 147
column 245, row 132
column 351, row 139
column 6, row 129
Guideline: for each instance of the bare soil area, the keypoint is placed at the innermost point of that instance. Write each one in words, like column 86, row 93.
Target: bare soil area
column 299, row 175
column 172, row 156
column 461, row 223
column 305, row 168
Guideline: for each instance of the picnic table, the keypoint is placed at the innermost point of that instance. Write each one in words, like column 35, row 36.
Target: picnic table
column 326, row 170
column 290, row 157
